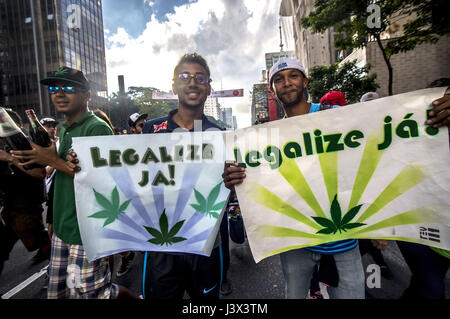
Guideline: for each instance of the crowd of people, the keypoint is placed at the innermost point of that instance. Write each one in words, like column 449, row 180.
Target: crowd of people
column 171, row 275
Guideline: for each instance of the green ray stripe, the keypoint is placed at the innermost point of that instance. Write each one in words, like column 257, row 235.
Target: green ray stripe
column 328, row 165
column 370, row 159
column 415, row 216
column 275, row 231
column 261, row 195
column 293, row 175
column 409, row 177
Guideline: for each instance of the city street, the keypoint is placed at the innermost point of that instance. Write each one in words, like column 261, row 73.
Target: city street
column 249, row 280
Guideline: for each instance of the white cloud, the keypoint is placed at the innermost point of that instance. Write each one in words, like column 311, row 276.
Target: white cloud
column 232, row 35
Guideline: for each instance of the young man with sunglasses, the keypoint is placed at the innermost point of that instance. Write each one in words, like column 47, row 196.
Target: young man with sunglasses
column 70, row 92
column 169, row 275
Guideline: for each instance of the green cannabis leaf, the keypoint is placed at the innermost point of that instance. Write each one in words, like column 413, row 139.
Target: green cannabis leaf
column 337, row 222
column 61, row 70
column 208, row 205
column 112, row 209
column 164, row 235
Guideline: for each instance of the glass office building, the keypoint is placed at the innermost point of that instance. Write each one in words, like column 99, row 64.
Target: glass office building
column 37, row 37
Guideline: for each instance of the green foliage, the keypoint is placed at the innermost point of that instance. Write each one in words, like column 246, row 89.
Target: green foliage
column 208, row 205
column 165, row 236
column 349, row 79
column 112, row 209
column 337, row 222
column 142, row 97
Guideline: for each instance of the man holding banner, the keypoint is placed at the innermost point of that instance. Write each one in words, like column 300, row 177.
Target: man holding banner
column 288, row 79
column 71, row 274
column 169, row 275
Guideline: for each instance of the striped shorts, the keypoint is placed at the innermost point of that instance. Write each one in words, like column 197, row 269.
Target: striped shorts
column 72, row 276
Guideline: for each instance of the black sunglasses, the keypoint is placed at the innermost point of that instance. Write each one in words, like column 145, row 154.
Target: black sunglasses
column 199, row 78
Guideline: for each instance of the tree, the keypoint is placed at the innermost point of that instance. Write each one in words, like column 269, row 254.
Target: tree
column 119, row 110
column 142, row 97
column 359, row 21
column 349, row 79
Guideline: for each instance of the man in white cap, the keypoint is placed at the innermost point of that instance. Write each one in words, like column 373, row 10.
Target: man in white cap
column 136, row 122
column 288, row 80
column 369, row 96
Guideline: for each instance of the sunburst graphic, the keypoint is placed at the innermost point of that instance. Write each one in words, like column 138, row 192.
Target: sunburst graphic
column 327, row 226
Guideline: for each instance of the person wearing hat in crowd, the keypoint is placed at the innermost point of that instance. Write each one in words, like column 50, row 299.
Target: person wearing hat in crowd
column 369, row 96
column 70, row 93
column 136, row 122
column 49, row 123
column 333, row 98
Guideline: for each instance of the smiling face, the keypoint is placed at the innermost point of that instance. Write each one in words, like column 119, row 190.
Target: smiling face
column 191, row 95
column 70, row 104
column 289, row 86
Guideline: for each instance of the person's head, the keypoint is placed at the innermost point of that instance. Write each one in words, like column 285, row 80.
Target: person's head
column 288, row 80
column 447, row 91
column 136, row 122
column 191, row 81
column 99, row 113
column 69, row 91
column 369, row 96
column 49, row 124
column 333, row 98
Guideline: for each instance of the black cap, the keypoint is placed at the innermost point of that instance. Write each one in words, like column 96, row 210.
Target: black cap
column 69, row 75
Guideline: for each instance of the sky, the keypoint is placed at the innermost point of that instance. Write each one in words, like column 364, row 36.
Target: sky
column 145, row 38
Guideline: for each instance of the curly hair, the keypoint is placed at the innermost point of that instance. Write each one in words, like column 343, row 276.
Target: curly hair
column 190, row 58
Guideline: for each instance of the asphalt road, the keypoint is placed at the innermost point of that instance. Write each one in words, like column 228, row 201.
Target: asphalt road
column 249, row 280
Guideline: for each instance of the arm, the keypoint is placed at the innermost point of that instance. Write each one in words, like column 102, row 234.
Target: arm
column 35, row 172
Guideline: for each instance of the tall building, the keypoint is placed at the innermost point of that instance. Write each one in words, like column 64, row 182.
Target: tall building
column 260, row 111
column 212, row 108
column 227, row 117
column 37, row 37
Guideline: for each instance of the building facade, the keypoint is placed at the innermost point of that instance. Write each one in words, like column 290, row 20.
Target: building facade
column 37, row 37
column 311, row 49
column 212, row 108
column 412, row 70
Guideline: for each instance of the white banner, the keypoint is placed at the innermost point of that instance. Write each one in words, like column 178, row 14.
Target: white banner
column 150, row 192
column 368, row 170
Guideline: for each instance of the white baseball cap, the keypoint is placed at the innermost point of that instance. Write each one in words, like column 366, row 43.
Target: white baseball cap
column 283, row 64
column 136, row 117
column 369, row 96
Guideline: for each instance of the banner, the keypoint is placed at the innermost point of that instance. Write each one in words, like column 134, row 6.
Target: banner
column 150, row 192
column 368, row 170
column 224, row 93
